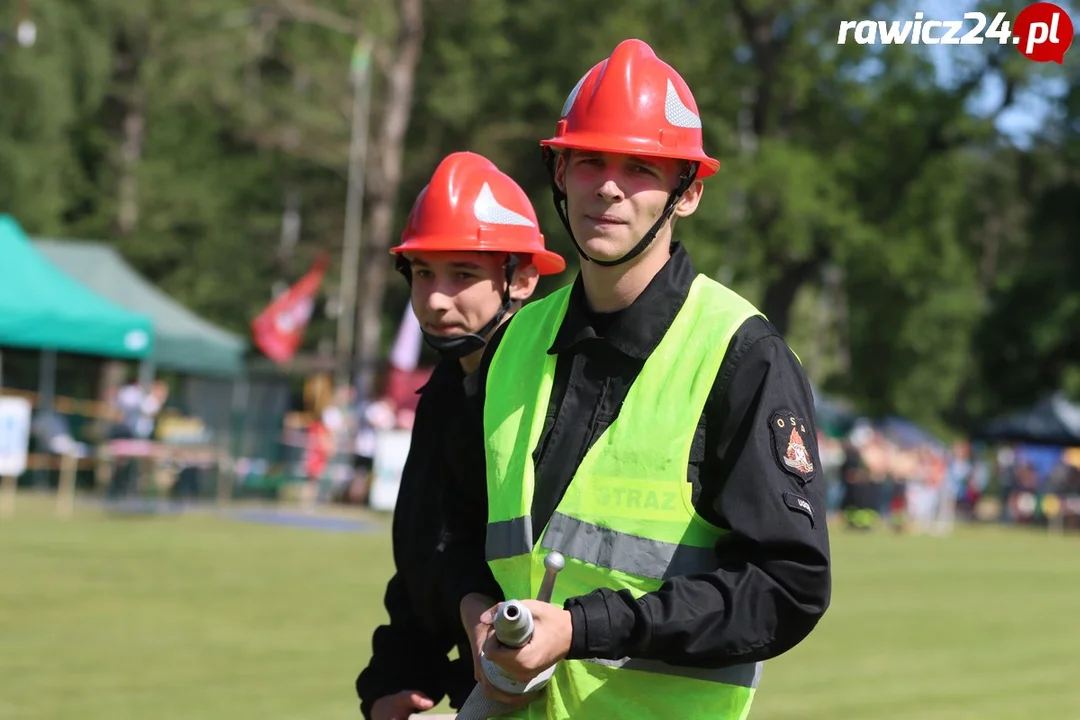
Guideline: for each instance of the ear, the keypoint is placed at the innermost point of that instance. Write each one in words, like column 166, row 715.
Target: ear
column 560, row 170
column 523, row 284
column 688, row 203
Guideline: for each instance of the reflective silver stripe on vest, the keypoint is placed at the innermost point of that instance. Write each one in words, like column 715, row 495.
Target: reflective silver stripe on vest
column 626, row 553
column 509, row 538
column 746, row 676
column 599, row 546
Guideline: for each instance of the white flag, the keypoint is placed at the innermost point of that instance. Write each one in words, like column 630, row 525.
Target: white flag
column 405, row 355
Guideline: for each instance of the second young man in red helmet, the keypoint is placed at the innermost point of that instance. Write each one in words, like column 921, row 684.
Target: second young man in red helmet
column 649, row 424
column 471, row 252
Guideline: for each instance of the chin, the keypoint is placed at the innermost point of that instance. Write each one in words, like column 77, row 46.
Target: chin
column 605, row 247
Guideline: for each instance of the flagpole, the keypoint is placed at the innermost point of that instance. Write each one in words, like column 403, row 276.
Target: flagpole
column 360, row 77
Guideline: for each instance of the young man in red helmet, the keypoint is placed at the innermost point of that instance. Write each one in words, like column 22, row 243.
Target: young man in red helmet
column 650, row 425
column 471, row 252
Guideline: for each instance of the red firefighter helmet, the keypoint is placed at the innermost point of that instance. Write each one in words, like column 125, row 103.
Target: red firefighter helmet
column 471, row 206
column 633, row 103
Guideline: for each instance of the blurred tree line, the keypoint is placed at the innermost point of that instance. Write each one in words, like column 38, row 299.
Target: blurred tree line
column 919, row 261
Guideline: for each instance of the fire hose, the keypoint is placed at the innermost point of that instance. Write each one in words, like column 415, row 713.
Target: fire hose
column 513, row 625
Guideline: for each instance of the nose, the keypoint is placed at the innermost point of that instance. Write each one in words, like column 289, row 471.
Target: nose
column 609, row 189
column 437, row 300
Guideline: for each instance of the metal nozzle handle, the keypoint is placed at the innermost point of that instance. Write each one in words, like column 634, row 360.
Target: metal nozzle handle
column 553, row 563
column 514, row 628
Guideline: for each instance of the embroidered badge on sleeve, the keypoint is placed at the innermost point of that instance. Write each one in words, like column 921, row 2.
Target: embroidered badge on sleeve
column 790, row 435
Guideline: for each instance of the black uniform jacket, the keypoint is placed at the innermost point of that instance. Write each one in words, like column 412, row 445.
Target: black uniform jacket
column 749, row 474
column 411, row 652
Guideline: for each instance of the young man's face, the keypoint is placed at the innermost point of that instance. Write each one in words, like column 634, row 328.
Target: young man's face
column 613, row 199
column 457, row 293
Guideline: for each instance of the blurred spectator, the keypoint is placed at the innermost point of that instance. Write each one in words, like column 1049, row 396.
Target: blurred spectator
column 138, row 409
column 832, row 457
column 957, row 479
column 53, row 432
column 327, row 463
column 373, row 417
column 924, row 487
column 859, row 501
column 318, row 449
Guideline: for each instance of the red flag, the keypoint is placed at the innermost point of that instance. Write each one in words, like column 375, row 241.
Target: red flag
column 279, row 329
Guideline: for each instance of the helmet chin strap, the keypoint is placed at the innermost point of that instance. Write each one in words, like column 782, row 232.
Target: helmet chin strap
column 458, row 346
column 560, row 200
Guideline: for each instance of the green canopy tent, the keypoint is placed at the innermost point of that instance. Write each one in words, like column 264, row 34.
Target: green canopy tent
column 184, row 342
column 43, row 308
column 215, row 386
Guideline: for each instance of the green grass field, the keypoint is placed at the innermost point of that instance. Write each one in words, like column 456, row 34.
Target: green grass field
column 201, row 618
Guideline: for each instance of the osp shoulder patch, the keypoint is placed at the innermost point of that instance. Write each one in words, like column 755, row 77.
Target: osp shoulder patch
column 789, row 447
column 800, row 505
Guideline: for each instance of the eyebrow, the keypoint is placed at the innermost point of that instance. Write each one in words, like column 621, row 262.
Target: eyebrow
column 639, row 159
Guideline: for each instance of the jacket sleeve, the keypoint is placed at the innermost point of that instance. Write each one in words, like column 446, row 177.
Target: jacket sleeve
column 404, row 655
column 762, row 484
column 466, row 533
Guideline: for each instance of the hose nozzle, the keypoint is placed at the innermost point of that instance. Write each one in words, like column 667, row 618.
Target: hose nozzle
column 513, row 624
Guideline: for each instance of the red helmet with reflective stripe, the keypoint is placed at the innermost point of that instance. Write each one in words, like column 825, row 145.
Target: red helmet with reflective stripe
column 471, row 206
column 633, row 103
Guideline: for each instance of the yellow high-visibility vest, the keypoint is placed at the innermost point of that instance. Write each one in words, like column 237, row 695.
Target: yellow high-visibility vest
column 627, row 520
